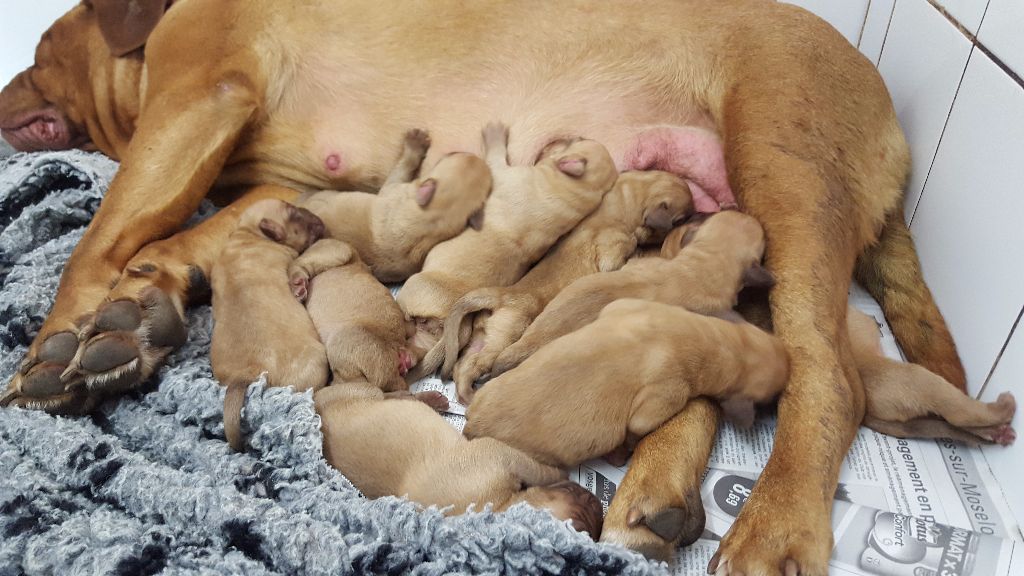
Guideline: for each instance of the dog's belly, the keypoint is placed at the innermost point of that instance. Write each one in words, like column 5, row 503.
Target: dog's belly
column 645, row 95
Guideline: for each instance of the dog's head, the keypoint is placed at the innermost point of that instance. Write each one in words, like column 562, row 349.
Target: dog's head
column 565, row 500
column 585, row 162
column 83, row 89
column 732, row 234
column 663, row 199
column 283, row 223
column 455, row 190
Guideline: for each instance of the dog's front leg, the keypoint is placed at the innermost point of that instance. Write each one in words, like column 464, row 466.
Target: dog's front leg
column 657, row 508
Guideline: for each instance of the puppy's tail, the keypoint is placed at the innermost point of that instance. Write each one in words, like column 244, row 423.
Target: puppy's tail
column 891, row 273
column 234, row 401
column 457, row 331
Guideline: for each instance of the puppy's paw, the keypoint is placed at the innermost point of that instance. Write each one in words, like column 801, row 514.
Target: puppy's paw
column 495, row 134
column 417, row 141
column 434, row 399
column 300, row 287
column 1006, row 406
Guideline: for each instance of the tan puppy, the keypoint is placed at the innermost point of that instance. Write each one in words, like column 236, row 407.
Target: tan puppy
column 529, row 209
column 258, row 326
column 359, row 322
column 640, row 207
column 721, row 254
column 618, row 378
column 909, row 401
column 403, row 448
column 394, row 229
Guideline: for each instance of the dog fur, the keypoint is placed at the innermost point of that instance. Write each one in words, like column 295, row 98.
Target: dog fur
column 641, row 207
column 393, row 230
column 257, row 324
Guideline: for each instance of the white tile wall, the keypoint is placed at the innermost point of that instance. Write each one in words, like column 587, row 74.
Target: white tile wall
column 967, row 12
column 1008, row 463
column 876, row 25
column 968, row 225
column 922, row 63
column 1003, row 32
column 21, row 25
column 847, row 16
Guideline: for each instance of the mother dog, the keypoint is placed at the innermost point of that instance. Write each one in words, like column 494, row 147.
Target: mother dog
column 249, row 96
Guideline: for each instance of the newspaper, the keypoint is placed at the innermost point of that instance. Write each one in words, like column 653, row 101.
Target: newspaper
column 902, row 508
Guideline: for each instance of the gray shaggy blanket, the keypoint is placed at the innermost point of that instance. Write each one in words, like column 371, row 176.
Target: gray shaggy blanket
column 147, row 485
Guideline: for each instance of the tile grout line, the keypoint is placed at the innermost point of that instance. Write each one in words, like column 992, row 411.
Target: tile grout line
column 938, row 144
column 978, row 43
column 999, row 356
column 863, row 22
column 885, row 37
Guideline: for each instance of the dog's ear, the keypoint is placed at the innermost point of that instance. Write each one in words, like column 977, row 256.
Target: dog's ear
column 126, row 24
column 425, row 192
column 659, row 218
column 476, row 219
column 758, row 276
column 272, row 230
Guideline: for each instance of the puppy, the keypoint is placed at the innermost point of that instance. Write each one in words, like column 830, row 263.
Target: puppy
column 717, row 256
column 640, row 207
column 618, row 378
column 529, row 209
column 909, row 401
column 258, row 326
column 359, row 322
column 401, row 447
column 394, row 229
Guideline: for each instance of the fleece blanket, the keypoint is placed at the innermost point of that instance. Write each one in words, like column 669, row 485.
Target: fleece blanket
column 147, row 485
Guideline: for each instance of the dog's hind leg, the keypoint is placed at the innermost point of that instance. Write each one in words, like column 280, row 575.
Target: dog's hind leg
column 891, row 273
column 658, row 507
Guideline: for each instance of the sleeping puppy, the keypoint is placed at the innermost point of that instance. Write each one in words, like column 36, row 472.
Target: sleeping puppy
column 719, row 256
column 394, row 229
column 358, row 320
column 641, row 207
column 258, row 326
column 529, row 209
column 621, row 376
column 428, row 461
column 908, row 401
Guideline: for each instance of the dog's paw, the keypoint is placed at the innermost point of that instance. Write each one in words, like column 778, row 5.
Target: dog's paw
column 300, row 287
column 654, row 523
column 434, row 399
column 417, row 141
column 775, row 539
column 38, row 384
column 124, row 342
column 495, row 134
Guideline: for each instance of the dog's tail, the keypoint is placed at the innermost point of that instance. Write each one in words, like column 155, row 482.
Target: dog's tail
column 458, row 328
column 891, row 273
column 234, row 401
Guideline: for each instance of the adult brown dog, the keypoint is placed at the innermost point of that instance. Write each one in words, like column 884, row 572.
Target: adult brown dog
column 299, row 95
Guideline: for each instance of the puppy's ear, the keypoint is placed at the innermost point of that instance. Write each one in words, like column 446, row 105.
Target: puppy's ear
column 272, row 230
column 758, row 276
column 425, row 192
column 659, row 218
column 574, row 165
column 126, row 24
column 476, row 219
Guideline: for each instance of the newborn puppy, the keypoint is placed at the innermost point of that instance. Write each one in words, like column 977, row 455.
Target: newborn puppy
column 640, row 207
column 403, row 448
column 394, row 229
column 529, row 209
column 258, row 326
column 359, row 322
column 719, row 256
column 623, row 375
column 909, row 401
